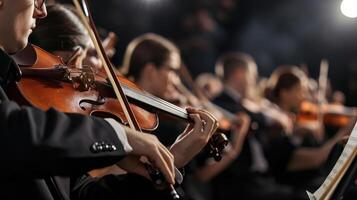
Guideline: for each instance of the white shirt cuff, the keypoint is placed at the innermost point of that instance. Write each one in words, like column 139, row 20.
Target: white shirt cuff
column 119, row 130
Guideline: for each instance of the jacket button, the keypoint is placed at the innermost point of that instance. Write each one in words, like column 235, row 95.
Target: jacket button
column 112, row 148
column 94, row 148
column 100, row 148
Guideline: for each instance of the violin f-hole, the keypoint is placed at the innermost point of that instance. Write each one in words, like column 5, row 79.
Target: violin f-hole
column 98, row 102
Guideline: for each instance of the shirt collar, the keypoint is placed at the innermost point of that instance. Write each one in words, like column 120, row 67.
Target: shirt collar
column 9, row 70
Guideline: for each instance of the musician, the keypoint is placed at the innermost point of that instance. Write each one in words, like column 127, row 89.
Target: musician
column 287, row 88
column 287, row 91
column 150, row 60
column 39, row 144
column 249, row 175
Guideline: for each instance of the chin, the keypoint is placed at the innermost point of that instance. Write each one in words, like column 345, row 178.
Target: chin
column 22, row 44
column 19, row 46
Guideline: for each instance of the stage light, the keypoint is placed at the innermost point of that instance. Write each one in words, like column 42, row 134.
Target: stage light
column 150, row 1
column 349, row 8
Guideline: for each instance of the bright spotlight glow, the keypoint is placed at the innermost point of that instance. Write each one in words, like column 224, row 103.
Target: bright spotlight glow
column 151, row 1
column 349, row 8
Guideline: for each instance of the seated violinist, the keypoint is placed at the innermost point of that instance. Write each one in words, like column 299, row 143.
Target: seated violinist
column 287, row 91
column 150, row 60
column 37, row 144
column 63, row 41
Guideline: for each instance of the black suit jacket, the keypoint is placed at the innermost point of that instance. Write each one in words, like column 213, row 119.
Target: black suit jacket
column 244, row 160
column 238, row 179
column 37, row 144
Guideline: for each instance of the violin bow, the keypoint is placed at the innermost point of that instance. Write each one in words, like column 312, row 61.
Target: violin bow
column 86, row 18
column 323, row 78
column 321, row 93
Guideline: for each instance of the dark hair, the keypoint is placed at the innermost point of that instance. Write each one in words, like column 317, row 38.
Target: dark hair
column 148, row 48
column 283, row 78
column 229, row 62
column 60, row 30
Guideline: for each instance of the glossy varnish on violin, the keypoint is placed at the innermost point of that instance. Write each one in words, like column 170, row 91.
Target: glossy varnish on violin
column 333, row 114
column 45, row 93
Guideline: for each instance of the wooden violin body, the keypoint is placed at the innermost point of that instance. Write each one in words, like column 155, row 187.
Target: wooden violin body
column 57, row 92
column 332, row 114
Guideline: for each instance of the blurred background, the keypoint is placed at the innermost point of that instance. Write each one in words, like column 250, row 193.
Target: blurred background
column 275, row 32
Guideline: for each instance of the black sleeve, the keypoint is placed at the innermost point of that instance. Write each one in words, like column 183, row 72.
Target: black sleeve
column 40, row 143
column 279, row 153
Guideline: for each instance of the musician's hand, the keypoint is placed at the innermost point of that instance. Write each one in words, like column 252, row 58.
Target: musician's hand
column 195, row 137
column 133, row 164
column 239, row 134
column 345, row 131
column 148, row 145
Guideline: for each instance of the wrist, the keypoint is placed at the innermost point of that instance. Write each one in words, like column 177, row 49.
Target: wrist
column 230, row 152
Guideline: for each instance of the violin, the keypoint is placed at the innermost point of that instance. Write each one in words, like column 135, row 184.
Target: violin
column 333, row 114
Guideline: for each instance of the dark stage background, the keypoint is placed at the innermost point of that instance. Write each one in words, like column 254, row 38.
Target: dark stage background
column 275, row 32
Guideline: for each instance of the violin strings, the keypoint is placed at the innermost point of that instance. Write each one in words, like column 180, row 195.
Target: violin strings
column 154, row 101
column 180, row 111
